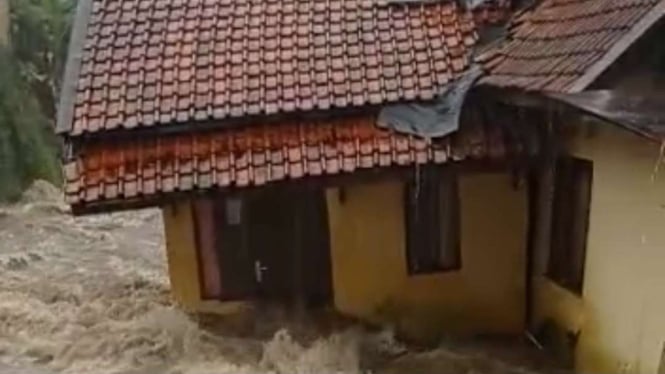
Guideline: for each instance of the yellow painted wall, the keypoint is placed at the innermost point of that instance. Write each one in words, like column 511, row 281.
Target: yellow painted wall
column 621, row 315
column 369, row 261
column 181, row 254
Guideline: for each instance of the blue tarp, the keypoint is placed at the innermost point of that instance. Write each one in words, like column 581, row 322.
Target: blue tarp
column 437, row 118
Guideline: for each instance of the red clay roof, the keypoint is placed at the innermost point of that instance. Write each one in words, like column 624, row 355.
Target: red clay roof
column 155, row 62
column 557, row 45
column 113, row 172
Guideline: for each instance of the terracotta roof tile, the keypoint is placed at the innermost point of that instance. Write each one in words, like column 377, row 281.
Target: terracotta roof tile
column 187, row 61
column 108, row 172
column 556, row 43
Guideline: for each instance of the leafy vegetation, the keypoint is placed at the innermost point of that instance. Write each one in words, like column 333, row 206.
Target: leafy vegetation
column 31, row 65
column 40, row 36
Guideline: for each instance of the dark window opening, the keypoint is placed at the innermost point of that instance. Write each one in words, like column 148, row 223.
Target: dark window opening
column 432, row 221
column 233, row 211
column 570, row 222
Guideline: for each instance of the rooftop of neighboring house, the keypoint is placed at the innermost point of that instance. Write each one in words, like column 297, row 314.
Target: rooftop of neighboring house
column 565, row 45
column 603, row 58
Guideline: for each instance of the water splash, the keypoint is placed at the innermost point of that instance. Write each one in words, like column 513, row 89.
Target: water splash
column 90, row 295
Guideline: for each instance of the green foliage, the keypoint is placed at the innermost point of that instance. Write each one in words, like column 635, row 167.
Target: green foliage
column 30, row 68
column 27, row 148
column 40, row 34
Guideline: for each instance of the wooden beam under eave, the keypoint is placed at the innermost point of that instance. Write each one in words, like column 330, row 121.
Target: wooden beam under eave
column 515, row 97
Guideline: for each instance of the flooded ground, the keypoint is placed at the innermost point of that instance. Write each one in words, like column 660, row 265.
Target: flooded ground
column 90, row 295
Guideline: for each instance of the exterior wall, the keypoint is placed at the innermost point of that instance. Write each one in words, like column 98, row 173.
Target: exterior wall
column 181, row 254
column 369, row 261
column 621, row 316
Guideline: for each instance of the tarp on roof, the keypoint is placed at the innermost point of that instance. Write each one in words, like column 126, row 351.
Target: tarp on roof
column 642, row 114
column 437, row 118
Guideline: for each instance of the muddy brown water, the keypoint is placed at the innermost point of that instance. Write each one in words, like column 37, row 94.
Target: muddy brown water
column 90, row 295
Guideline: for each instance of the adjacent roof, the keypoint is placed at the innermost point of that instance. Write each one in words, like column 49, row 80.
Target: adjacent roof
column 158, row 62
column 564, row 45
column 115, row 173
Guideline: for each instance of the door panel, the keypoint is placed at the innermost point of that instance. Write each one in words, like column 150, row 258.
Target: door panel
column 271, row 242
column 292, row 243
column 236, row 262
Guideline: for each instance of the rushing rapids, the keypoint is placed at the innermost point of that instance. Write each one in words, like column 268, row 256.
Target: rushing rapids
column 90, row 295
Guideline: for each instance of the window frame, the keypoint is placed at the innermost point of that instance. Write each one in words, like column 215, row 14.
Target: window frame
column 427, row 221
column 571, row 208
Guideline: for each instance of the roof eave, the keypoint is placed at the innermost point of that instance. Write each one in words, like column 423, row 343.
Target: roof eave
column 642, row 116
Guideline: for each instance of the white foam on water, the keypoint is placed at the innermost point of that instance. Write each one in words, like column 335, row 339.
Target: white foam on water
column 338, row 353
column 90, row 295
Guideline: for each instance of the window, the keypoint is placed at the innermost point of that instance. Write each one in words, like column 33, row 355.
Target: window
column 570, row 222
column 233, row 210
column 432, row 221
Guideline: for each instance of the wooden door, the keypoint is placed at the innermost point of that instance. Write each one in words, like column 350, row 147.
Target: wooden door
column 272, row 244
column 290, row 245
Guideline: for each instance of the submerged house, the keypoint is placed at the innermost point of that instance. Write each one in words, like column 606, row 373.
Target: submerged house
column 291, row 148
column 589, row 75
column 253, row 125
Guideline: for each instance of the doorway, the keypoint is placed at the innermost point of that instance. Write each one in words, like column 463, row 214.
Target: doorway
column 270, row 244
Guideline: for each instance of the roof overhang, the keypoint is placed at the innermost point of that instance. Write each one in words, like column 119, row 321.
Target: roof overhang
column 641, row 114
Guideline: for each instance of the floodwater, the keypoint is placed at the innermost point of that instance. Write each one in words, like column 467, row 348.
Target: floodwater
column 90, row 295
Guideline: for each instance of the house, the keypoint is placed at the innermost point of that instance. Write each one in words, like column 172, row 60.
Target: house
column 588, row 74
column 253, row 126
